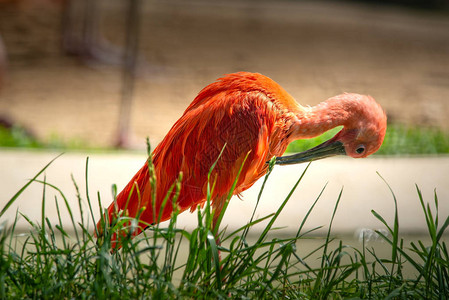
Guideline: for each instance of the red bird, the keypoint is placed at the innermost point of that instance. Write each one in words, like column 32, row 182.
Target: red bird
column 246, row 115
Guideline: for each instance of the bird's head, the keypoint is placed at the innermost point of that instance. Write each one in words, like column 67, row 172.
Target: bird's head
column 364, row 126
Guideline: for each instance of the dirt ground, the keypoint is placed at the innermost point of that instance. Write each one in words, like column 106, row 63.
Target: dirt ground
column 315, row 50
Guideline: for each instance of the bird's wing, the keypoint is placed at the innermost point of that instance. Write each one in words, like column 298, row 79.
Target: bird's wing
column 235, row 123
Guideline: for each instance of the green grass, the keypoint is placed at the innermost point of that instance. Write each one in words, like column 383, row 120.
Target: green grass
column 399, row 140
column 18, row 137
column 52, row 261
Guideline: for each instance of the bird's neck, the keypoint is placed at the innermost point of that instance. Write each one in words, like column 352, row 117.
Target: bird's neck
column 334, row 112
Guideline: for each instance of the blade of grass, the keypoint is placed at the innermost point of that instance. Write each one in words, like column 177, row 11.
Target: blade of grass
column 309, row 211
column 395, row 232
column 230, row 193
column 16, row 195
column 279, row 210
column 259, row 195
column 215, row 255
column 43, row 206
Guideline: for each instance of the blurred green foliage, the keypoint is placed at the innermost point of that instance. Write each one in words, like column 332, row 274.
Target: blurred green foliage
column 399, row 140
column 402, row 139
column 17, row 136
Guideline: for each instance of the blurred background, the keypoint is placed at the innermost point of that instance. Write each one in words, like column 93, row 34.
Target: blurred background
column 63, row 76
column 102, row 74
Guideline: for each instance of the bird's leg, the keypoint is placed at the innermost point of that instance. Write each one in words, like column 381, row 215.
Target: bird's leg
column 217, row 206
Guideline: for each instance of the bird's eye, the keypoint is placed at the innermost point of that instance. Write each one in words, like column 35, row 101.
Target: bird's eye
column 360, row 149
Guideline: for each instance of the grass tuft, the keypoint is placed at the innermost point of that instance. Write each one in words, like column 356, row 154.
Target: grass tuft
column 54, row 261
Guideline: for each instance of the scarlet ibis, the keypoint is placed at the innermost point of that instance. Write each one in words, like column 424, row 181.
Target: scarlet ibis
column 247, row 115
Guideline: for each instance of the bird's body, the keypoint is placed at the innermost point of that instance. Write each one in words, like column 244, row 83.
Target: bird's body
column 246, row 115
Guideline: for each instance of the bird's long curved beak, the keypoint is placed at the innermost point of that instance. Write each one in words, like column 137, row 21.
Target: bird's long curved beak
column 326, row 149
